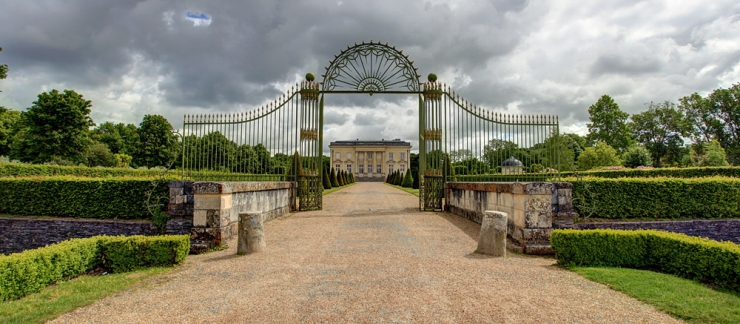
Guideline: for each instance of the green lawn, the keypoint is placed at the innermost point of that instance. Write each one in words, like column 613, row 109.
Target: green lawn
column 681, row 298
column 68, row 295
column 414, row 192
column 328, row 191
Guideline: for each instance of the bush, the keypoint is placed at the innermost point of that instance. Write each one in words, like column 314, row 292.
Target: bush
column 636, row 156
column 657, row 197
column 30, row 271
column 122, row 198
column 694, row 258
column 600, row 155
column 123, row 254
column 408, row 180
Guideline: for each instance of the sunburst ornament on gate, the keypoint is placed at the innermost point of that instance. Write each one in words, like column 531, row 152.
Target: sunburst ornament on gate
column 372, row 67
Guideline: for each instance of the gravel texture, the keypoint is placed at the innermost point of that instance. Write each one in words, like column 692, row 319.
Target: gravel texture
column 368, row 257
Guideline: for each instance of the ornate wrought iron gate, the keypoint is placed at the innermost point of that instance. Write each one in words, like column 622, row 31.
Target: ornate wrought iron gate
column 283, row 140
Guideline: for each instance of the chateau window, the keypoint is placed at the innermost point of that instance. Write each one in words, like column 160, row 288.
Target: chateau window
column 362, row 168
column 349, row 156
column 380, row 169
column 390, row 168
column 337, row 167
column 403, row 156
column 403, row 168
column 369, row 155
column 337, row 156
column 390, row 156
column 349, row 168
column 369, row 168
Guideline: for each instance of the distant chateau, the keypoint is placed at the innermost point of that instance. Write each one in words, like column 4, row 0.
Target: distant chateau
column 370, row 159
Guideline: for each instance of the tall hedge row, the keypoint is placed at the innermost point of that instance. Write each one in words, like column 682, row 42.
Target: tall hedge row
column 30, row 271
column 708, row 198
column 694, row 258
column 698, row 172
column 79, row 197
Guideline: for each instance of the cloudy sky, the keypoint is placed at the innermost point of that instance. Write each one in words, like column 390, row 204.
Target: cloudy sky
column 516, row 56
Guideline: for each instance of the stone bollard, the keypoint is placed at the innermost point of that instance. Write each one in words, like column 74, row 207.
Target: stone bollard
column 492, row 239
column 251, row 234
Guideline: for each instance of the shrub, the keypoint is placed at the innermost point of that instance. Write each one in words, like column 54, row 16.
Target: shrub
column 636, row 156
column 658, row 197
column 25, row 170
column 121, row 198
column 600, row 155
column 663, row 172
column 408, row 181
column 694, row 258
column 30, row 271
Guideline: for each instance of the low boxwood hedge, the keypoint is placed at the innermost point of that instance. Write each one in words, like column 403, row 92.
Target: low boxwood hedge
column 112, row 198
column 30, row 271
column 700, row 259
column 702, row 198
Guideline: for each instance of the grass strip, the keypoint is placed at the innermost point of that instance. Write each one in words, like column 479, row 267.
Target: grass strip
column 68, row 295
column 412, row 191
column 681, row 298
column 328, row 191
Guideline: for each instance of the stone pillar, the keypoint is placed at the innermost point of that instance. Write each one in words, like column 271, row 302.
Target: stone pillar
column 492, row 238
column 251, row 234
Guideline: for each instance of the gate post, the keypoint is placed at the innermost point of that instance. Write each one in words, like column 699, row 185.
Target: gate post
column 251, row 234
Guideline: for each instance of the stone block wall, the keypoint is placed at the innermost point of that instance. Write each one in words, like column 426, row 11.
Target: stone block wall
column 20, row 234
column 217, row 205
column 531, row 208
column 180, row 208
column 719, row 230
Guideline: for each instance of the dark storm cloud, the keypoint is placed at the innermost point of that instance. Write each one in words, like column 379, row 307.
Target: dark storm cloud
column 615, row 64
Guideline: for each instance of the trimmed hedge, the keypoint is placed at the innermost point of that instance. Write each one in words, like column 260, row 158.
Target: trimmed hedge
column 703, row 198
column 27, row 170
column 690, row 257
column 733, row 172
column 30, row 271
column 123, row 198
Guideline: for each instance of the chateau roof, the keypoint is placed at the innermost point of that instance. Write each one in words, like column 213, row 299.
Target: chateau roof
column 395, row 142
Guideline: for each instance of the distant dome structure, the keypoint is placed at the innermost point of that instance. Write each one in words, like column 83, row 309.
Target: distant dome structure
column 512, row 166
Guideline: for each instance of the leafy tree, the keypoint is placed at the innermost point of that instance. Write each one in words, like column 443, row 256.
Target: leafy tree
column 496, row 151
column 460, row 155
column 660, row 130
column 716, row 116
column 120, row 138
column 597, row 156
column 158, row 144
column 3, row 69
column 122, row 160
column 98, row 154
column 8, row 120
column 575, row 143
column 715, row 154
column 408, row 180
column 449, row 170
column 334, row 180
column 609, row 124
column 635, row 156
column 415, row 174
column 296, row 168
column 325, row 178
column 56, row 128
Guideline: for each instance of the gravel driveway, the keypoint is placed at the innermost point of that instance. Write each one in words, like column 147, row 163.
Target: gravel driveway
column 369, row 256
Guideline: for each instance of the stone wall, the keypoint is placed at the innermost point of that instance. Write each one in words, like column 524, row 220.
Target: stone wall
column 720, row 230
column 180, row 208
column 217, row 205
column 531, row 208
column 20, row 234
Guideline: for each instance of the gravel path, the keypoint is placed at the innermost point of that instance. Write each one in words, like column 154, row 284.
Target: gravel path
column 369, row 256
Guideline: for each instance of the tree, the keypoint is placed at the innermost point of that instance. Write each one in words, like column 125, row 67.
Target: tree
column 325, row 178
column 716, row 117
column 122, row 160
column 158, row 145
column 599, row 155
column 460, row 155
column 3, row 69
column 56, row 128
column 715, row 154
column 660, row 130
column 575, row 143
column 609, row 124
column 8, row 120
column 295, row 166
column 415, row 174
column 635, row 156
column 408, row 180
column 496, row 151
column 334, row 180
column 120, row 138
